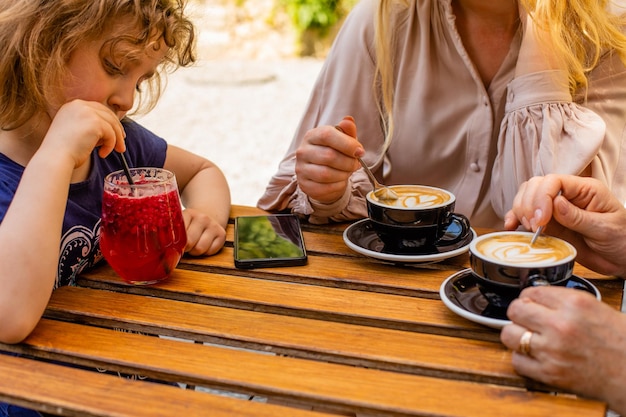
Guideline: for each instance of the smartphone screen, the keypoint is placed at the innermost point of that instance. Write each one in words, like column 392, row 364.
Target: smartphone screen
column 268, row 240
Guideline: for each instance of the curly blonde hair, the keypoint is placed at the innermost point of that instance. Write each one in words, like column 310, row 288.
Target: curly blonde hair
column 38, row 38
column 578, row 32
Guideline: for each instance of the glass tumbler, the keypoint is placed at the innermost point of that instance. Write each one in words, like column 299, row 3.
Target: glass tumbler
column 142, row 233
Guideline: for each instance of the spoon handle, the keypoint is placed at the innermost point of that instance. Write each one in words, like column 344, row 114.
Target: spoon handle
column 536, row 235
column 369, row 174
column 381, row 191
column 539, row 229
column 365, row 167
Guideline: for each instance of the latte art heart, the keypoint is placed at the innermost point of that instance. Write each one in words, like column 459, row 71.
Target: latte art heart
column 417, row 197
column 419, row 200
column 516, row 249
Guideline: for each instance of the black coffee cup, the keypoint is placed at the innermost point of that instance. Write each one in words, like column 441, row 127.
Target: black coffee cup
column 418, row 220
column 504, row 263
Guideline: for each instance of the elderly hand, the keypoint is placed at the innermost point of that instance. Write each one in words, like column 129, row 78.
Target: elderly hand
column 326, row 159
column 577, row 342
column 585, row 213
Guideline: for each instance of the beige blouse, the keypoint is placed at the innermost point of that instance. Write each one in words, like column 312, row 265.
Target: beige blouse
column 450, row 131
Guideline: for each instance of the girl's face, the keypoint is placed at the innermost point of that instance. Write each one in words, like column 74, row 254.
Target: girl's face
column 110, row 76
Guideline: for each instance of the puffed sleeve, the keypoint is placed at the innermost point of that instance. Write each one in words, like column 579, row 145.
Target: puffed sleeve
column 545, row 131
column 340, row 90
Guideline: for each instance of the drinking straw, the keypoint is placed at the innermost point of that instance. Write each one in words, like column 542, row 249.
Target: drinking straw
column 126, row 169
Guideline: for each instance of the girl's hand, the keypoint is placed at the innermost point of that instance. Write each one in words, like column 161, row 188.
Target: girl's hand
column 80, row 126
column 204, row 235
column 326, row 159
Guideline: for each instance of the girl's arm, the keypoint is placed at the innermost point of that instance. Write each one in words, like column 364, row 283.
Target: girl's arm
column 206, row 199
column 29, row 238
column 31, row 230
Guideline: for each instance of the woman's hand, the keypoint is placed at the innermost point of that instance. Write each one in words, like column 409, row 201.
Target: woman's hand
column 577, row 342
column 326, row 159
column 581, row 210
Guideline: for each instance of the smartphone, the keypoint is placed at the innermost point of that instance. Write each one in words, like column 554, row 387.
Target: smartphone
column 268, row 241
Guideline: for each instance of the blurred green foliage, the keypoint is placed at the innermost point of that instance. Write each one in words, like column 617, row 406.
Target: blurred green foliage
column 311, row 14
column 258, row 239
column 315, row 22
column 318, row 15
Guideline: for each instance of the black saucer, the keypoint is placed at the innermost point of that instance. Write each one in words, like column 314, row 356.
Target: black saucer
column 362, row 238
column 460, row 293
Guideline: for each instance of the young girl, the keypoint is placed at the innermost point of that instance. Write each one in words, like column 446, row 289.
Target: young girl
column 70, row 73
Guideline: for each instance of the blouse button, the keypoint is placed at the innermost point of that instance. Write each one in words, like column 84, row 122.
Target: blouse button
column 474, row 167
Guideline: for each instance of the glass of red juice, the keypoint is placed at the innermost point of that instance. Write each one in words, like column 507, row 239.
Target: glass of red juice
column 142, row 233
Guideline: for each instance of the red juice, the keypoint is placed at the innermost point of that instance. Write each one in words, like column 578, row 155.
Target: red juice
column 142, row 237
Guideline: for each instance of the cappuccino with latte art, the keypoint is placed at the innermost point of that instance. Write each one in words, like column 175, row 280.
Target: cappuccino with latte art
column 504, row 263
column 415, row 196
column 514, row 249
column 417, row 220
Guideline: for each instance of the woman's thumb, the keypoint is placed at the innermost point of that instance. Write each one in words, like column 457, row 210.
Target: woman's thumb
column 348, row 126
column 568, row 214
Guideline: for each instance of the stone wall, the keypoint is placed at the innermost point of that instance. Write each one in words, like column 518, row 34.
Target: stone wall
column 252, row 29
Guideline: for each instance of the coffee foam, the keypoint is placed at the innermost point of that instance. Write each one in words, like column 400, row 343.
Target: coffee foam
column 415, row 197
column 516, row 249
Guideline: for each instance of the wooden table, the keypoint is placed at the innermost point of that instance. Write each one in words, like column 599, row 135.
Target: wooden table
column 344, row 334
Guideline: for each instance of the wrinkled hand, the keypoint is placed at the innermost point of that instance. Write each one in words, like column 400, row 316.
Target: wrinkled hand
column 325, row 160
column 577, row 343
column 585, row 213
column 80, row 126
column 204, row 235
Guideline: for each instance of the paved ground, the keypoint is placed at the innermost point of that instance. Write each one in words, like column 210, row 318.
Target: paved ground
column 241, row 115
column 240, row 105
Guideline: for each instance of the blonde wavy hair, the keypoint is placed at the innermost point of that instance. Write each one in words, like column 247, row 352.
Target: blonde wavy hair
column 579, row 32
column 38, row 38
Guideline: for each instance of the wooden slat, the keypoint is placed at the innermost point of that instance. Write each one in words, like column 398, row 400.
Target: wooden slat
column 237, row 210
column 350, row 273
column 408, row 352
column 386, row 277
column 345, row 388
column 301, row 300
column 62, row 390
column 366, row 275
column 347, row 306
